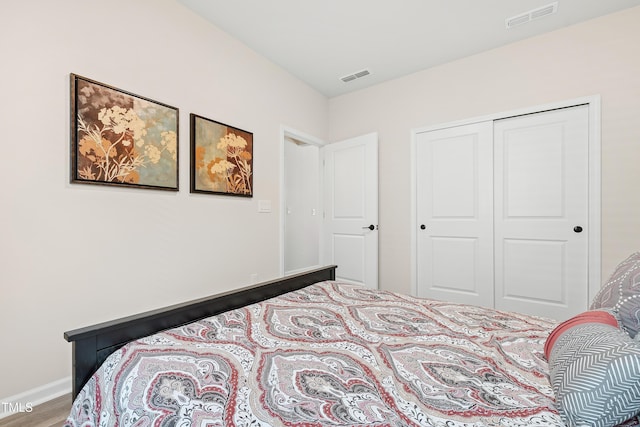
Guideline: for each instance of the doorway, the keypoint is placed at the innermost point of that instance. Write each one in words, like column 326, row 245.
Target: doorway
column 301, row 202
column 329, row 206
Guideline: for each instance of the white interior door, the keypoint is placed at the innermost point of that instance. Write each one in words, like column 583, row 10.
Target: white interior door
column 454, row 214
column 541, row 212
column 350, row 227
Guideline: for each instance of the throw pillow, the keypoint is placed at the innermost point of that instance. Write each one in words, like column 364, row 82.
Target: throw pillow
column 621, row 293
column 594, row 369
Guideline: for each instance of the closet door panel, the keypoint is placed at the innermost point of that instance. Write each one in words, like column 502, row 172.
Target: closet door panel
column 541, row 281
column 454, row 213
column 449, row 254
column 534, row 166
column 541, row 195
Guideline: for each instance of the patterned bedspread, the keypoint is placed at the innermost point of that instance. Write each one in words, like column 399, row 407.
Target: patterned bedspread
column 332, row 354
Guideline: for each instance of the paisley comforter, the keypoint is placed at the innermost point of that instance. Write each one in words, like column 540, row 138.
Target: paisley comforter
column 332, row 354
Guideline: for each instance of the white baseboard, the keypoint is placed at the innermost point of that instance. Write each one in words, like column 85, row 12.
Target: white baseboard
column 24, row 401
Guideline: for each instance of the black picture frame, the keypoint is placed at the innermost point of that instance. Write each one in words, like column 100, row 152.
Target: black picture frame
column 122, row 139
column 221, row 158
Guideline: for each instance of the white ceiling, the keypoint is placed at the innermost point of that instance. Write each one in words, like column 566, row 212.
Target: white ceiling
column 320, row 41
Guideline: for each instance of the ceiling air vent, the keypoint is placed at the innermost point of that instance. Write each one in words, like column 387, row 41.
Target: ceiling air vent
column 354, row 76
column 531, row 15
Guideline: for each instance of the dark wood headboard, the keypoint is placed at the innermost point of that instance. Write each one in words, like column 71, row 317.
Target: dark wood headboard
column 92, row 344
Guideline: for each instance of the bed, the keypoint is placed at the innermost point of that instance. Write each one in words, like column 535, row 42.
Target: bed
column 306, row 350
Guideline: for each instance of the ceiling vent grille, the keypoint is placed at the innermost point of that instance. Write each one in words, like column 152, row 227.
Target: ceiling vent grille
column 531, row 15
column 355, row 76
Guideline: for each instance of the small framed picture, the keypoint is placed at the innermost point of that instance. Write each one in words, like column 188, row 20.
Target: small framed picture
column 221, row 158
column 122, row 139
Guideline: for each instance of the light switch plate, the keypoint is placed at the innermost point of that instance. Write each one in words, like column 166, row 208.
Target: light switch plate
column 264, row 206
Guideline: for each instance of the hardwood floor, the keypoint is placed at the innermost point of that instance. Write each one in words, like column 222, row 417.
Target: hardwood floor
column 49, row 414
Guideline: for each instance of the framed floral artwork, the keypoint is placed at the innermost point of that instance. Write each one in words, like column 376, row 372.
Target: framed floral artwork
column 221, row 158
column 122, row 139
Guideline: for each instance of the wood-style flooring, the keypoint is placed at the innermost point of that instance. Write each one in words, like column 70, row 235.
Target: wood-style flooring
column 49, row 414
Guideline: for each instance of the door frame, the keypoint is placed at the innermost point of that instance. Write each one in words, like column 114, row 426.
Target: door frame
column 290, row 133
column 594, row 251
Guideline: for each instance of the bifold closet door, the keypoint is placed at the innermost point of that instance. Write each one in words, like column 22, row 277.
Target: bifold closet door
column 541, row 212
column 454, row 215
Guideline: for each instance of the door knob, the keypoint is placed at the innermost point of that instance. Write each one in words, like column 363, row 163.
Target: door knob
column 371, row 227
column 423, row 227
column 577, row 229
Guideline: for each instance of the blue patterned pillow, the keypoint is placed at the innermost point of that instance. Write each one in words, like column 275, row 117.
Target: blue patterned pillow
column 621, row 294
column 595, row 374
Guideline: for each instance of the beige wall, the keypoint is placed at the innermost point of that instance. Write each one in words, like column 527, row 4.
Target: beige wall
column 73, row 255
column 601, row 56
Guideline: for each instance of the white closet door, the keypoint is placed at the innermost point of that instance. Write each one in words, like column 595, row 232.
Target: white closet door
column 541, row 212
column 454, row 187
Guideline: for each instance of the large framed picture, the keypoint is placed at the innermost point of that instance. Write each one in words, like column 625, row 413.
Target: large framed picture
column 221, row 158
column 122, row 139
